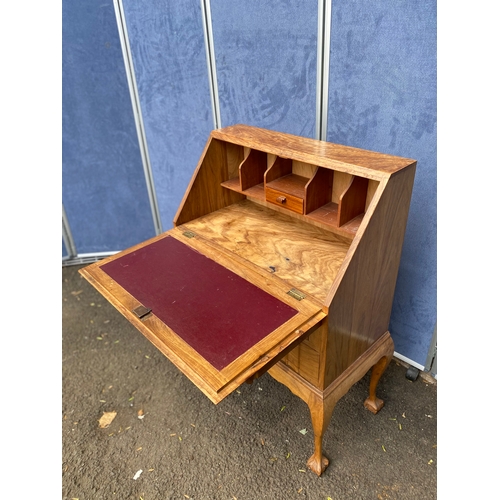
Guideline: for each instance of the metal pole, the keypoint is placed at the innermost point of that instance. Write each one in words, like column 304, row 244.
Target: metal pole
column 136, row 106
column 212, row 70
column 67, row 236
column 323, row 67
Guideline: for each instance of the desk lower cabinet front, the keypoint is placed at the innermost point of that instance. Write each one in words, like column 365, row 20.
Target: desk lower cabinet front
column 283, row 259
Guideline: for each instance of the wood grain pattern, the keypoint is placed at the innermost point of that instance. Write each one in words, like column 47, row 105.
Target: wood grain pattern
column 355, row 161
column 303, row 169
column 306, row 362
column 314, row 338
column 325, row 217
column 353, row 200
column 273, row 284
column 321, row 218
column 205, row 193
column 291, row 184
column 308, row 358
column 362, row 294
column 318, row 190
column 216, row 384
column 322, row 402
column 264, row 363
column 234, row 155
column 372, row 188
column 341, row 181
column 252, row 169
column 279, row 168
column 255, row 192
column 304, row 256
column 244, row 268
column 328, row 214
column 284, row 199
column 343, row 253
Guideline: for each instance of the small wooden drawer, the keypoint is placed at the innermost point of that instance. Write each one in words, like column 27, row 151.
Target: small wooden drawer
column 285, row 200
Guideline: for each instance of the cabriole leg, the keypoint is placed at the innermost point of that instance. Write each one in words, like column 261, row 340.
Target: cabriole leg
column 373, row 403
column 321, row 413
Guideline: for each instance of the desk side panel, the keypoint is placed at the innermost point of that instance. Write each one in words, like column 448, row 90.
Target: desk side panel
column 205, row 193
column 360, row 307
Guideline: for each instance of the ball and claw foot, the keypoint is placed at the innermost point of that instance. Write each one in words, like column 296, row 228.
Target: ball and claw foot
column 318, row 466
column 374, row 405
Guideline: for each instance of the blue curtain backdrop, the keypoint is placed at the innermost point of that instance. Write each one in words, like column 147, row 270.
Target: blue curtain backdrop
column 266, row 63
column 104, row 189
column 168, row 50
column 382, row 96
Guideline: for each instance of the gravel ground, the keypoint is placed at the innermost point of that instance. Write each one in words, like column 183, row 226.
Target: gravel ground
column 168, row 441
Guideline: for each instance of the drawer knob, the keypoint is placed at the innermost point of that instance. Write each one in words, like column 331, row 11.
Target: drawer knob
column 281, row 199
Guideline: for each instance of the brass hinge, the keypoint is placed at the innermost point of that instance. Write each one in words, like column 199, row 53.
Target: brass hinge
column 189, row 234
column 296, row 294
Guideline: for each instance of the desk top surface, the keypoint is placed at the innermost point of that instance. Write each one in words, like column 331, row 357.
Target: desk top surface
column 369, row 163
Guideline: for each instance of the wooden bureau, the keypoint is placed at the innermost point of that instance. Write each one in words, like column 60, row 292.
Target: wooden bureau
column 283, row 258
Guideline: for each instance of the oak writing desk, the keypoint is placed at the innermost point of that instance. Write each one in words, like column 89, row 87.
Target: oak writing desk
column 283, row 258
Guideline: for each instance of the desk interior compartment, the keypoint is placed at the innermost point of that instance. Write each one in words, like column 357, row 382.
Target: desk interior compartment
column 334, row 199
column 285, row 183
column 246, row 169
column 338, row 199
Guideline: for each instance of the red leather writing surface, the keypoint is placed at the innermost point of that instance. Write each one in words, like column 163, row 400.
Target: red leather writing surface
column 215, row 311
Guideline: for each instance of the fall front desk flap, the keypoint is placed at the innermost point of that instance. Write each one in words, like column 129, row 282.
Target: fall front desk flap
column 218, row 327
